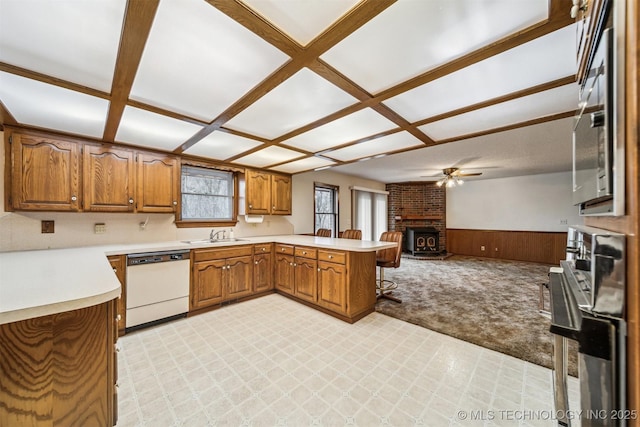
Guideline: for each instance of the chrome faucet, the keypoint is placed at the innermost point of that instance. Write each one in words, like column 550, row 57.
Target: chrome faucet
column 213, row 236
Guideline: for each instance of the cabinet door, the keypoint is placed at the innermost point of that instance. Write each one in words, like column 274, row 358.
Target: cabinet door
column 207, row 283
column 332, row 290
column 45, row 174
column 262, row 272
column 305, row 279
column 239, row 274
column 158, row 183
column 108, row 180
column 118, row 263
column 280, row 195
column 258, row 192
column 284, row 273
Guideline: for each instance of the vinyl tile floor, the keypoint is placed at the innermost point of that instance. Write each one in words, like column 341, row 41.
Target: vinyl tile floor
column 273, row 362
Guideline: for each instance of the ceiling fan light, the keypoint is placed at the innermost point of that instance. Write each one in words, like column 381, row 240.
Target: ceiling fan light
column 451, row 183
column 439, row 183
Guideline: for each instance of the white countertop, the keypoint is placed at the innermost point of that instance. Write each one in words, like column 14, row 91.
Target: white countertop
column 43, row 282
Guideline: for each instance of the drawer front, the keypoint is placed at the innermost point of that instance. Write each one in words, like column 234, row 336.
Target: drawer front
column 262, row 248
column 221, row 253
column 304, row 252
column 284, row 249
column 332, row 256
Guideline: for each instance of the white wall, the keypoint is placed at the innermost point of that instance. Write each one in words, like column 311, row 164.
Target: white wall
column 524, row 203
column 22, row 230
column 303, row 197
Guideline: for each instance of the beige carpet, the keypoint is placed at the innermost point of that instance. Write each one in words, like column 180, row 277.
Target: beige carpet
column 491, row 303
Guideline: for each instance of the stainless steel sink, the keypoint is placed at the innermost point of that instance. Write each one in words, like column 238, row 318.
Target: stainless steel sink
column 211, row 242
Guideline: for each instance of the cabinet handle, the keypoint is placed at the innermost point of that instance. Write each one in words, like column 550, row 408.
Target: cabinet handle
column 118, row 317
column 295, row 265
column 130, row 201
column 304, row 252
column 273, row 207
column 74, row 198
column 283, row 249
column 318, row 268
column 175, row 202
column 290, row 263
column 330, row 256
column 255, row 262
column 264, row 249
column 115, row 270
column 250, row 205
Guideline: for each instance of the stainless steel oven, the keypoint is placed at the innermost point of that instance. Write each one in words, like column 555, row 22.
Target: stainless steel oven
column 587, row 305
column 598, row 133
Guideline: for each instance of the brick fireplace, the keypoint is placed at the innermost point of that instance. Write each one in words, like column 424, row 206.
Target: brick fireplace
column 418, row 206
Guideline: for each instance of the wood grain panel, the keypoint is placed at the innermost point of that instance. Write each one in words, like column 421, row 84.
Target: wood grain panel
column 361, row 290
column 158, row 180
column 532, row 246
column 58, row 370
column 109, row 179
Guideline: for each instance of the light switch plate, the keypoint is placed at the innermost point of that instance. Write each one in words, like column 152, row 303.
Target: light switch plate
column 100, row 228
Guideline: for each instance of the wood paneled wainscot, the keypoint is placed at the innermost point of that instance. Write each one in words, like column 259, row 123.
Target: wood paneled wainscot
column 220, row 275
column 60, row 369
column 533, row 246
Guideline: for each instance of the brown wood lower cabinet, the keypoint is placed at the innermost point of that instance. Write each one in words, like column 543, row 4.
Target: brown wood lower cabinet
column 59, row 370
column 262, row 268
column 220, row 275
column 119, row 263
column 341, row 283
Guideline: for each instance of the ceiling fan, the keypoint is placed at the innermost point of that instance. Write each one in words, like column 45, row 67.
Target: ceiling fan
column 452, row 177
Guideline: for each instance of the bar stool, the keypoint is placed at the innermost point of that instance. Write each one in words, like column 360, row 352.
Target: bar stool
column 388, row 258
column 352, row 234
column 323, row 232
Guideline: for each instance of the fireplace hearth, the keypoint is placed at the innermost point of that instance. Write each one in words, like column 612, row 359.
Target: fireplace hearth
column 422, row 240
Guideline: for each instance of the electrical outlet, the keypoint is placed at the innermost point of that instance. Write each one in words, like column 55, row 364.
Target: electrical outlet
column 482, row 248
column 563, row 222
column 100, row 228
column 48, row 226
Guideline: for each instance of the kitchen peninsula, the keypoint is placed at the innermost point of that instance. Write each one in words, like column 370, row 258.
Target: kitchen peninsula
column 58, row 315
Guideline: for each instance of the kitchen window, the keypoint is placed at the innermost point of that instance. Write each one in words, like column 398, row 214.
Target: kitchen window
column 326, row 208
column 208, row 197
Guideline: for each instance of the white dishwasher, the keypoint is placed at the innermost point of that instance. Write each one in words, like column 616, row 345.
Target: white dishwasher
column 157, row 287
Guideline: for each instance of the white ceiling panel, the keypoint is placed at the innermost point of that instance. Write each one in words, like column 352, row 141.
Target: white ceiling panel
column 304, row 165
column 302, row 99
column 393, row 142
column 530, row 107
column 198, row 61
column 301, row 20
column 541, row 148
column 221, row 145
column 411, row 37
column 542, row 60
column 268, row 156
column 47, row 106
column 358, row 125
column 141, row 127
column 72, row 40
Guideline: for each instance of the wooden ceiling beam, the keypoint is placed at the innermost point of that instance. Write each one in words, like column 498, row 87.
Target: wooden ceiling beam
column 138, row 19
column 300, row 58
column 43, row 78
column 508, row 97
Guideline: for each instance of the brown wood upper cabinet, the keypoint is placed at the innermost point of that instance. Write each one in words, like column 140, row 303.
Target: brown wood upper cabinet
column 108, row 177
column 267, row 193
column 158, row 183
column 58, row 174
column 45, row 173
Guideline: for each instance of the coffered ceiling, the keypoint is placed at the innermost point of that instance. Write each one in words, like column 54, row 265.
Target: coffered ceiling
column 384, row 89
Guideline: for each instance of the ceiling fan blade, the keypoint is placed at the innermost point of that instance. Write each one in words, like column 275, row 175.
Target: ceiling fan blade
column 469, row 174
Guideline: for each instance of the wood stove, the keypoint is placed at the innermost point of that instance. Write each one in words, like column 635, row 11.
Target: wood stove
column 422, row 240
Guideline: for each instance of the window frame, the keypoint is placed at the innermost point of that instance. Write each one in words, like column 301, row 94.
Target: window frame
column 188, row 223
column 336, row 194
